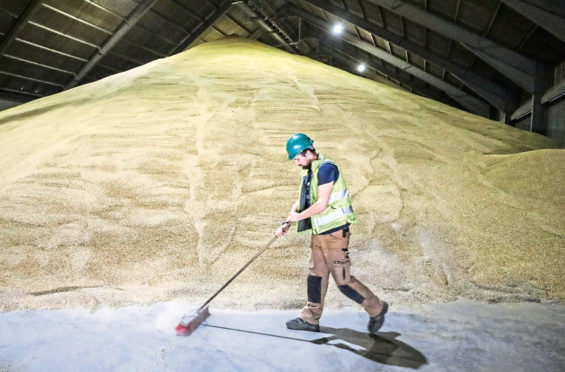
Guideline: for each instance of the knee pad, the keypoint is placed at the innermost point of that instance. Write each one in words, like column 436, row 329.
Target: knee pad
column 351, row 293
column 314, row 289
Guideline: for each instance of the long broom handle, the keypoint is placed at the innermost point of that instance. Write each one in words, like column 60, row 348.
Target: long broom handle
column 285, row 228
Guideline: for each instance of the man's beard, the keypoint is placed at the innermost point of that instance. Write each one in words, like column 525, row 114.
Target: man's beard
column 307, row 166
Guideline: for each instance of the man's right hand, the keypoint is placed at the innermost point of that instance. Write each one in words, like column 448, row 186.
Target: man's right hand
column 283, row 229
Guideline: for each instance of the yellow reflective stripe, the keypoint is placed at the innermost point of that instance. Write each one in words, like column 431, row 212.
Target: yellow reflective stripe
column 328, row 218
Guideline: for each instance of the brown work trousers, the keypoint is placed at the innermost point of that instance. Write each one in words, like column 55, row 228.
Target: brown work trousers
column 330, row 254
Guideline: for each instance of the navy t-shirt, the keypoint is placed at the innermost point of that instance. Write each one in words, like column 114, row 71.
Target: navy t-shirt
column 327, row 173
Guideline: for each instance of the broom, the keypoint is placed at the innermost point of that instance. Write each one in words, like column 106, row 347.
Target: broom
column 190, row 322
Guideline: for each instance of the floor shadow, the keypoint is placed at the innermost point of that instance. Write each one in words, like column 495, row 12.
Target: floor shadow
column 382, row 347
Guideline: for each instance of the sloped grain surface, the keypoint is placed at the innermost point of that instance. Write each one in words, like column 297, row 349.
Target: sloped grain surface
column 161, row 182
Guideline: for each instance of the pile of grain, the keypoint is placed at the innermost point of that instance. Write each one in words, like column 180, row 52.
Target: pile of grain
column 160, row 182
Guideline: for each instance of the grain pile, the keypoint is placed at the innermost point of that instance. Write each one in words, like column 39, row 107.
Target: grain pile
column 160, row 182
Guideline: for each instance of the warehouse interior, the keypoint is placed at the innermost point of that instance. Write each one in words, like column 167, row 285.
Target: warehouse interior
column 500, row 59
column 144, row 164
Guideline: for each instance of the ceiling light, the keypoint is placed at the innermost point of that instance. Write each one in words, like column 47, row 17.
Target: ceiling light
column 361, row 67
column 337, row 29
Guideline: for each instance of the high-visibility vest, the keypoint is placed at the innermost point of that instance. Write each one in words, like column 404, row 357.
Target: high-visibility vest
column 339, row 210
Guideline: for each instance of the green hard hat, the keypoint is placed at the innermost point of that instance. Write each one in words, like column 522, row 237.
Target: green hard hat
column 298, row 143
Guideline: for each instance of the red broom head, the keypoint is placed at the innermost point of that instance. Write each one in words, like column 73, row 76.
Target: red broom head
column 187, row 325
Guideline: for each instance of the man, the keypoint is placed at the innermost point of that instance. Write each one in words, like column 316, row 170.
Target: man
column 325, row 208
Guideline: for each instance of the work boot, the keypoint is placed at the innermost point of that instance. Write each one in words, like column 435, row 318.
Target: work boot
column 376, row 322
column 300, row 325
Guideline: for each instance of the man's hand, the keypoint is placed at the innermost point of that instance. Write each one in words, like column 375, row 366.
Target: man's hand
column 283, row 229
column 319, row 206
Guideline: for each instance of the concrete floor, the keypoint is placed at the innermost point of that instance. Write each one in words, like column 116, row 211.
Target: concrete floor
column 457, row 336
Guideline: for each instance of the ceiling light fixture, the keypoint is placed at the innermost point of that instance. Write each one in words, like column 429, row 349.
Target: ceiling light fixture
column 361, row 67
column 337, row 29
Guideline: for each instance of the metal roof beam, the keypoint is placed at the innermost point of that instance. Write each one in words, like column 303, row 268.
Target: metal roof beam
column 266, row 10
column 264, row 25
column 522, row 111
column 554, row 93
column 418, row 87
column 20, row 23
column 125, row 27
column 236, row 23
column 379, row 71
column 201, row 27
column 20, row 93
column 496, row 95
column 110, row 11
column 42, row 65
column 218, row 30
column 255, row 35
column 492, row 19
column 190, row 12
column 109, row 68
column 149, row 50
column 169, row 21
column 105, row 9
column 544, row 94
column 517, row 67
column 471, row 103
column 28, row 78
column 52, row 50
column 76, row 19
column 7, row 11
column 527, row 37
column 70, row 37
column 548, row 14
column 135, row 61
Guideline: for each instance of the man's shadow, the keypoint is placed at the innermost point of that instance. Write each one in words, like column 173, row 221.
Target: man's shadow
column 382, row 347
